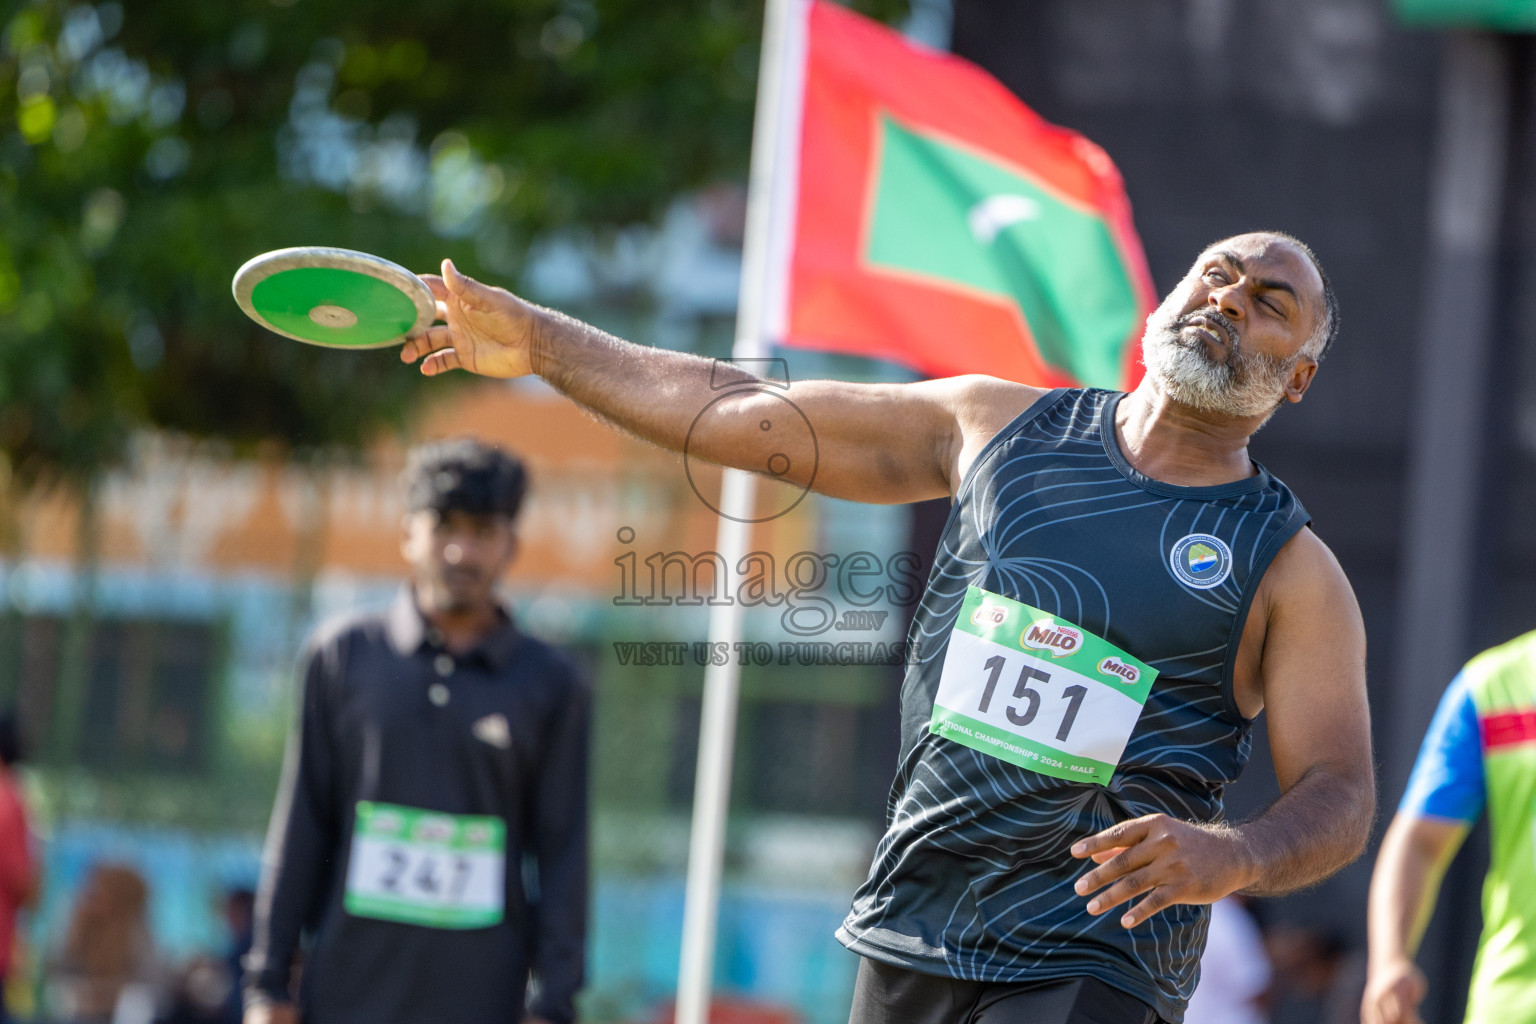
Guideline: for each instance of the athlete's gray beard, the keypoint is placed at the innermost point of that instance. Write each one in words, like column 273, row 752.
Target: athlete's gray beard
column 1248, row 384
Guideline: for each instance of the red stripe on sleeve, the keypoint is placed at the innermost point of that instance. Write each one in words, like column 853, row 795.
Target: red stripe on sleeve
column 1508, row 728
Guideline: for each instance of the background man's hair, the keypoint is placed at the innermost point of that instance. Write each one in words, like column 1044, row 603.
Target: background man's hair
column 464, row 475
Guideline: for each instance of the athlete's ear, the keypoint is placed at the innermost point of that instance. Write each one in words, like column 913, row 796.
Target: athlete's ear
column 1300, row 379
column 415, row 535
column 512, row 542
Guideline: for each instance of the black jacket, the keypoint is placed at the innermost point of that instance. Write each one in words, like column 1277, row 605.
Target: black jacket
column 369, row 729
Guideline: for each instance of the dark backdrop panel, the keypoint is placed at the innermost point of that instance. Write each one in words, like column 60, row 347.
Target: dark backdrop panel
column 1315, row 117
column 1311, row 116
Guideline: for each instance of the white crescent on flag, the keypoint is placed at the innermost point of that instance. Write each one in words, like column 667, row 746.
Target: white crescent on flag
column 997, row 213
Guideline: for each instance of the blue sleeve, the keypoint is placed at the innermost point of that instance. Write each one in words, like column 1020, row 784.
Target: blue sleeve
column 1447, row 780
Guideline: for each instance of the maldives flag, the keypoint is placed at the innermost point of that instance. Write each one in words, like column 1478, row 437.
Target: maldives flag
column 922, row 213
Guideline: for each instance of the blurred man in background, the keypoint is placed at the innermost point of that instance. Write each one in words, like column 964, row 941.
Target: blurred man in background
column 437, row 746
column 1480, row 752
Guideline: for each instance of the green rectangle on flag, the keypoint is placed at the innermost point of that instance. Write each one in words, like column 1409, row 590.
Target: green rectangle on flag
column 952, row 216
column 1509, row 15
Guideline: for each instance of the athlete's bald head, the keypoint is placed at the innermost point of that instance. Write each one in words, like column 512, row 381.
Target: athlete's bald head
column 1326, row 322
column 1243, row 330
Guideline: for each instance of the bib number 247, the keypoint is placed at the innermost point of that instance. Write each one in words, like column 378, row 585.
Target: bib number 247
column 427, row 868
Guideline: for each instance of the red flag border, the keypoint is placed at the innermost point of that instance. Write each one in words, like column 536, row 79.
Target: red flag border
column 825, row 24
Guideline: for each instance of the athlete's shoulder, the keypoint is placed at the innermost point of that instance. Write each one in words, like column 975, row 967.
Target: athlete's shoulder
column 987, row 406
column 338, row 633
column 1305, row 572
column 980, row 407
column 1512, row 656
column 1306, row 554
column 549, row 662
column 343, row 626
column 980, row 400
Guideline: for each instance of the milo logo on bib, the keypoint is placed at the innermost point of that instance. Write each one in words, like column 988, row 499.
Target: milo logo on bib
column 1113, row 666
column 989, row 615
column 1052, row 638
column 1032, row 689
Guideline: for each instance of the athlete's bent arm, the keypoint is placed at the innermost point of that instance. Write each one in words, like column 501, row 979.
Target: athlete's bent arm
column 1313, row 678
column 1313, row 675
column 883, row 443
column 1414, row 855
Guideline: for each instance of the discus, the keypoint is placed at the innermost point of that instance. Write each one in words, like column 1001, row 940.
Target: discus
column 334, row 297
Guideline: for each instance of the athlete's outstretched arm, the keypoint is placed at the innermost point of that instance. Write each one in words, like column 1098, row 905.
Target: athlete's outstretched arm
column 883, row 443
column 1414, row 855
column 1313, row 673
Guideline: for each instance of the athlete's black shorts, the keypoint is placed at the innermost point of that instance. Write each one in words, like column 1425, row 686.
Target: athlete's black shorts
column 894, row 995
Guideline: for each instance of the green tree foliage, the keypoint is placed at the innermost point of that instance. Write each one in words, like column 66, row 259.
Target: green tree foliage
column 146, row 150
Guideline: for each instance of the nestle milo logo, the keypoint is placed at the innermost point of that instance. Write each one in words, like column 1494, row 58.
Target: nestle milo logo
column 386, row 822
column 989, row 615
column 1053, row 638
column 435, row 829
column 1113, row 666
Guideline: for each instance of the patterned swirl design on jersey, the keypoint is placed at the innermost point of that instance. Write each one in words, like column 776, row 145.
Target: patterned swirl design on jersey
column 973, row 877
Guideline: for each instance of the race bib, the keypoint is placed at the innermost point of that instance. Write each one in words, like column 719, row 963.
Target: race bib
column 1034, row 690
column 426, row 867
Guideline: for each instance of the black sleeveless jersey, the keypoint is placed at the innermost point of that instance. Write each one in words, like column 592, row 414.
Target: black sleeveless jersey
column 973, row 878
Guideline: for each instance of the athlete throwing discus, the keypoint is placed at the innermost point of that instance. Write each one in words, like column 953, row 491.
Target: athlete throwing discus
column 1120, row 591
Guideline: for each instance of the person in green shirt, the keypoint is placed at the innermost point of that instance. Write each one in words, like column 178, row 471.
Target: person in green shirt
column 1480, row 753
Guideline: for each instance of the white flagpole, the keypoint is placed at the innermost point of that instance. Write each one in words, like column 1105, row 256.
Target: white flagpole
column 717, row 723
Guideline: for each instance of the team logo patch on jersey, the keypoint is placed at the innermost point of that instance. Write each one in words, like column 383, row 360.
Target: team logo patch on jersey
column 1201, row 561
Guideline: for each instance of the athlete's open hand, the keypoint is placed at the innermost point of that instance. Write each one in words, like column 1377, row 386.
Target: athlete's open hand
column 489, row 331
column 1171, row 861
column 1393, row 993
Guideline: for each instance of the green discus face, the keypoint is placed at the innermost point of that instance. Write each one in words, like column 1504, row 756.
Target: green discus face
column 333, row 297
column 334, row 307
